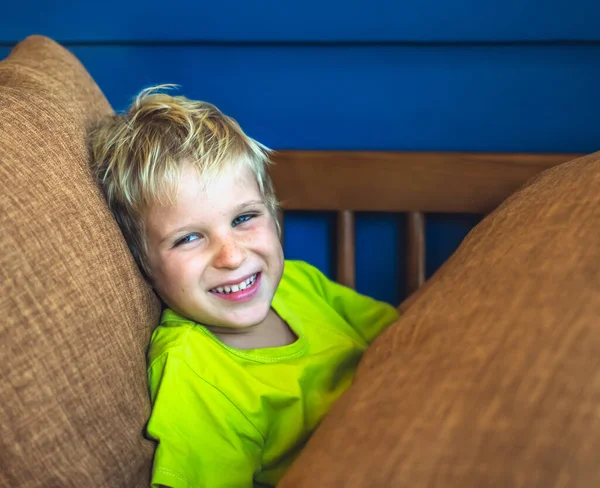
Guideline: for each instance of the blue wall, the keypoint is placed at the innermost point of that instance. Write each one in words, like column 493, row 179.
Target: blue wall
column 465, row 75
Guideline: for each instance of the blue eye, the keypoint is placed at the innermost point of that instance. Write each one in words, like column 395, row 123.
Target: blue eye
column 241, row 219
column 187, row 239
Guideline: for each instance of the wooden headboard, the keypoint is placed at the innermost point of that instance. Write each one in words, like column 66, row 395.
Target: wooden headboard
column 409, row 182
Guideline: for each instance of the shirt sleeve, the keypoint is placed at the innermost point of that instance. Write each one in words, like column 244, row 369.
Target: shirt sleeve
column 203, row 439
column 369, row 317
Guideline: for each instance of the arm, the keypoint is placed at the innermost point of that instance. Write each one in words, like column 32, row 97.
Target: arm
column 203, row 439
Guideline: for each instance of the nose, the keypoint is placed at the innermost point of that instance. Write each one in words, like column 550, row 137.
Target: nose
column 229, row 254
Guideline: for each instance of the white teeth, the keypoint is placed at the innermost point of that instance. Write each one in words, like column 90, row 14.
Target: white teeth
column 240, row 286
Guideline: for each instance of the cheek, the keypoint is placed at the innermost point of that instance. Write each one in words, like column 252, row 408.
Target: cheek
column 265, row 237
column 175, row 272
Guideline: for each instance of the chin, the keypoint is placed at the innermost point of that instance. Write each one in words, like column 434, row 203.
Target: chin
column 250, row 319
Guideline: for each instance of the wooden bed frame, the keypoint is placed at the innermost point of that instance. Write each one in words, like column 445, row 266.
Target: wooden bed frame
column 405, row 182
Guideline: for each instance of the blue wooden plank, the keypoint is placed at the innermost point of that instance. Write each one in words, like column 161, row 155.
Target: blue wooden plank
column 308, row 20
column 509, row 98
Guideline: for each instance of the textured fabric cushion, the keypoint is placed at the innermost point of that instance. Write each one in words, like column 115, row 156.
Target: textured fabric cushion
column 492, row 378
column 76, row 315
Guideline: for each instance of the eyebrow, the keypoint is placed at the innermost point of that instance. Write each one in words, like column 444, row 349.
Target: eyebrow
column 250, row 203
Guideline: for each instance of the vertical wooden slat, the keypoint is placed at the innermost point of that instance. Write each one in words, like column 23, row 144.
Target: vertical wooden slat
column 346, row 251
column 415, row 247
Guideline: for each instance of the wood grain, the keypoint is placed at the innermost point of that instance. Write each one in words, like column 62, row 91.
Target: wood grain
column 403, row 181
column 415, row 251
column 346, row 250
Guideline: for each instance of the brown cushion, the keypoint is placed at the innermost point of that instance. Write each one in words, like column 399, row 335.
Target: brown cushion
column 493, row 376
column 76, row 315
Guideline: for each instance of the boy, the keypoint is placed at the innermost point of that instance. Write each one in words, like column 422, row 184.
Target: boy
column 252, row 350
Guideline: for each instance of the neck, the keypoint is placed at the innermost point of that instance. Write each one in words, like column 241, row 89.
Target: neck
column 271, row 332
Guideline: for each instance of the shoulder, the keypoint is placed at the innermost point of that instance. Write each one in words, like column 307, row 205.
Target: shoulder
column 303, row 275
column 303, row 286
column 185, row 341
column 179, row 356
column 180, row 344
column 170, row 336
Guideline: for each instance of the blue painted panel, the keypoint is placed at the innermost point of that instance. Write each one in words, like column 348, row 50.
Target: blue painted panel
column 509, row 98
column 307, row 20
column 443, row 235
column 380, row 256
column 307, row 236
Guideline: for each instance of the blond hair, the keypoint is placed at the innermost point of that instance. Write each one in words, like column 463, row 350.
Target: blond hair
column 137, row 157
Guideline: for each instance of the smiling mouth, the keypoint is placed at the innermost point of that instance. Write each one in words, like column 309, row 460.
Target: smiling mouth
column 242, row 285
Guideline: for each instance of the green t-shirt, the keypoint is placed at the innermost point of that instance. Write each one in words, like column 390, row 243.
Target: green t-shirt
column 225, row 417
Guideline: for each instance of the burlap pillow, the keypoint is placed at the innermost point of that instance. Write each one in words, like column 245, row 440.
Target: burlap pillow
column 76, row 315
column 493, row 376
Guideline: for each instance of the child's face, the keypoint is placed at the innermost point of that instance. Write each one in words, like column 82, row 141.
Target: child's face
column 213, row 240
